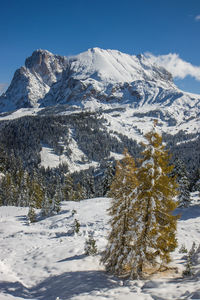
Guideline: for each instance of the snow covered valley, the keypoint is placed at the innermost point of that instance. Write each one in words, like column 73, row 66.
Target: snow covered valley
column 45, row 260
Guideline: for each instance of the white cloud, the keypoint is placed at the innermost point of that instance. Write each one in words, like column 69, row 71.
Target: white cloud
column 3, row 87
column 175, row 65
column 197, row 18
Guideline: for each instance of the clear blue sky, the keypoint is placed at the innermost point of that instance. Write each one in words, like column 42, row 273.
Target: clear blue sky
column 70, row 27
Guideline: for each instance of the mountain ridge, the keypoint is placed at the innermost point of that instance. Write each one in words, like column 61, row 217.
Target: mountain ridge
column 106, row 76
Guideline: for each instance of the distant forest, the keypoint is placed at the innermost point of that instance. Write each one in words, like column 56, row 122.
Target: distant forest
column 21, row 141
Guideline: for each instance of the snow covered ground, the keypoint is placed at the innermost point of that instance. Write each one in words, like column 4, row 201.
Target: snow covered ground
column 45, row 260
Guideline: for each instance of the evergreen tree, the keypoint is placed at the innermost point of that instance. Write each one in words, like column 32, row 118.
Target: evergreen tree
column 31, row 214
column 182, row 178
column 76, row 226
column 68, row 190
column 46, row 206
column 36, row 191
column 154, row 226
column 107, row 179
column 196, row 181
column 90, row 246
column 123, row 192
column 90, row 185
column 142, row 225
column 24, row 188
column 79, row 193
column 9, row 190
column 3, row 159
column 56, row 202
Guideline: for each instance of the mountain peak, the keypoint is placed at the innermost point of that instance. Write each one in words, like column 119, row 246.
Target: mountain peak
column 100, row 74
column 115, row 66
column 38, row 57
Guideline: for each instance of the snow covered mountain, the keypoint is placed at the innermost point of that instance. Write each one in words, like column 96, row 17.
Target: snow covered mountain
column 124, row 93
column 104, row 76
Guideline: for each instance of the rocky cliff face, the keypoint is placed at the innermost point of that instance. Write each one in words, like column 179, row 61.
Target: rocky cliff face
column 97, row 75
column 33, row 81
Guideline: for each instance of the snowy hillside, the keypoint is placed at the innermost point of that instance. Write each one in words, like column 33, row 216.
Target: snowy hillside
column 46, row 260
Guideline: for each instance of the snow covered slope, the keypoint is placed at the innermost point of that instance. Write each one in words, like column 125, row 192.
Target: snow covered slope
column 46, row 260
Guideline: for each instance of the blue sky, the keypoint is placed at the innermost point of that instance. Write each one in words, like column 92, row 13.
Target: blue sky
column 70, row 27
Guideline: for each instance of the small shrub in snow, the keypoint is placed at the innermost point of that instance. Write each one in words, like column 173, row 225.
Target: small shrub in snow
column 192, row 250
column 191, row 259
column 183, row 249
column 90, row 246
column 31, row 215
column 76, row 226
column 74, row 212
column 188, row 269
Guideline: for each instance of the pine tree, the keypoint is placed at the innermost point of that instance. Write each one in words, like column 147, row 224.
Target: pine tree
column 46, row 206
column 79, row 193
column 154, row 226
column 68, row 189
column 31, row 215
column 25, row 189
column 56, row 202
column 9, row 190
column 22, row 183
column 196, row 181
column 123, row 188
column 182, row 178
column 107, row 179
column 36, row 191
column 90, row 246
column 76, row 226
column 90, row 184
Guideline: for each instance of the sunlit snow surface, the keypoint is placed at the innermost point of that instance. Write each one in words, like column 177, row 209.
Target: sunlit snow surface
column 45, row 260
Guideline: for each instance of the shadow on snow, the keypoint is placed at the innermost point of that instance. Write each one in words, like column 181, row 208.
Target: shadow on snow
column 75, row 257
column 190, row 212
column 65, row 286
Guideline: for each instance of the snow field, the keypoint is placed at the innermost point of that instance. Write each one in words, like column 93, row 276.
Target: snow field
column 46, row 260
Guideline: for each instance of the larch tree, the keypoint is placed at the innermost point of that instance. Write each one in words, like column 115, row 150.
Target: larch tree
column 154, row 225
column 143, row 227
column 117, row 255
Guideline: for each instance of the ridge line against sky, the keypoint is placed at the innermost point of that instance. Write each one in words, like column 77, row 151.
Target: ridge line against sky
column 169, row 30
column 179, row 68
